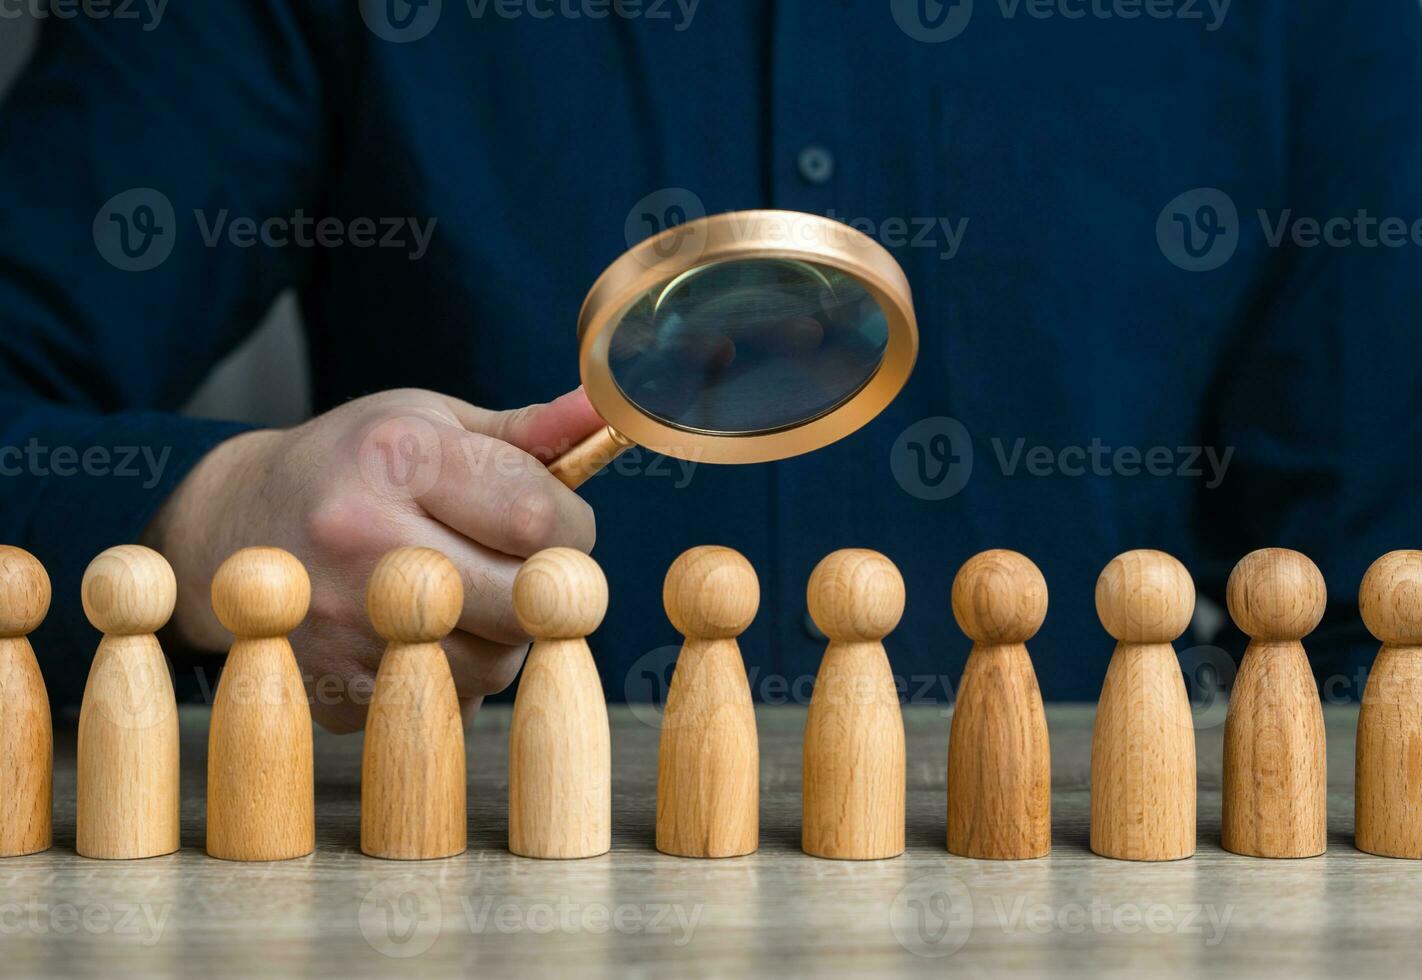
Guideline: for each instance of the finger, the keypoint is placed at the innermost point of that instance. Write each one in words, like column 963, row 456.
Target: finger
column 501, row 497
column 337, row 624
column 488, row 578
column 545, row 431
column 479, row 666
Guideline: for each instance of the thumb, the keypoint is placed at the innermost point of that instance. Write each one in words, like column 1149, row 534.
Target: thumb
column 544, row 431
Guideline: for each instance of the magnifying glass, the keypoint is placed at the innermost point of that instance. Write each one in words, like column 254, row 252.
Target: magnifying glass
column 741, row 337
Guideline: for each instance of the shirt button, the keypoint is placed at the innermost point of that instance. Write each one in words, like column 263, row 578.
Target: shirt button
column 816, row 164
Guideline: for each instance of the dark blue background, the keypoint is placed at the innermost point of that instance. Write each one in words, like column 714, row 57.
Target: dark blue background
column 536, row 142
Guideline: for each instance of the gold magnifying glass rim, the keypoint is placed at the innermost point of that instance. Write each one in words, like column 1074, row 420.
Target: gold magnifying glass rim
column 737, row 236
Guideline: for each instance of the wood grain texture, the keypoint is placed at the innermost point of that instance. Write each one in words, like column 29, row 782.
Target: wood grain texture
column 560, row 748
column 853, row 759
column 708, row 764
column 26, row 729
column 413, row 792
column 1143, row 784
column 1388, row 788
column 999, row 760
column 260, row 778
column 774, row 913
column 127, row 767
column 1274, row 795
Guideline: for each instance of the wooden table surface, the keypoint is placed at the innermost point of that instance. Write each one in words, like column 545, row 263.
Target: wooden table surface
column 635, row 912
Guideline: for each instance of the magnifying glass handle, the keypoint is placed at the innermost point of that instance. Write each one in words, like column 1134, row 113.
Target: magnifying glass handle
column 575, row 466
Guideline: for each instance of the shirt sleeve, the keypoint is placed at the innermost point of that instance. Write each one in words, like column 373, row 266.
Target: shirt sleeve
column 1320, row 395
column 122, row 145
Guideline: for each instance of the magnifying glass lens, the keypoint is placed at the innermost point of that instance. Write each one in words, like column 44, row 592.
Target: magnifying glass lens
column 748, row 346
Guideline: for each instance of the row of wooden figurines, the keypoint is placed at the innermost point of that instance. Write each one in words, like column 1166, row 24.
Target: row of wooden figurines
column 260, row 803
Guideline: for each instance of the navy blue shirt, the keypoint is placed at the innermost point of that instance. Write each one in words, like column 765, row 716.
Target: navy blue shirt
column 1136, row 237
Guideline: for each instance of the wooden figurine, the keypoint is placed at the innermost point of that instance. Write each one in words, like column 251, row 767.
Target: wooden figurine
column 1387, row 794
column 999, row 759
column 853, row 762
column 260, row 785
column 1275, row 771
column 26, row 730
column 412, row 793
column 127, row 768
column 708, row 763
column 560, row 751
column 1143, row 745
